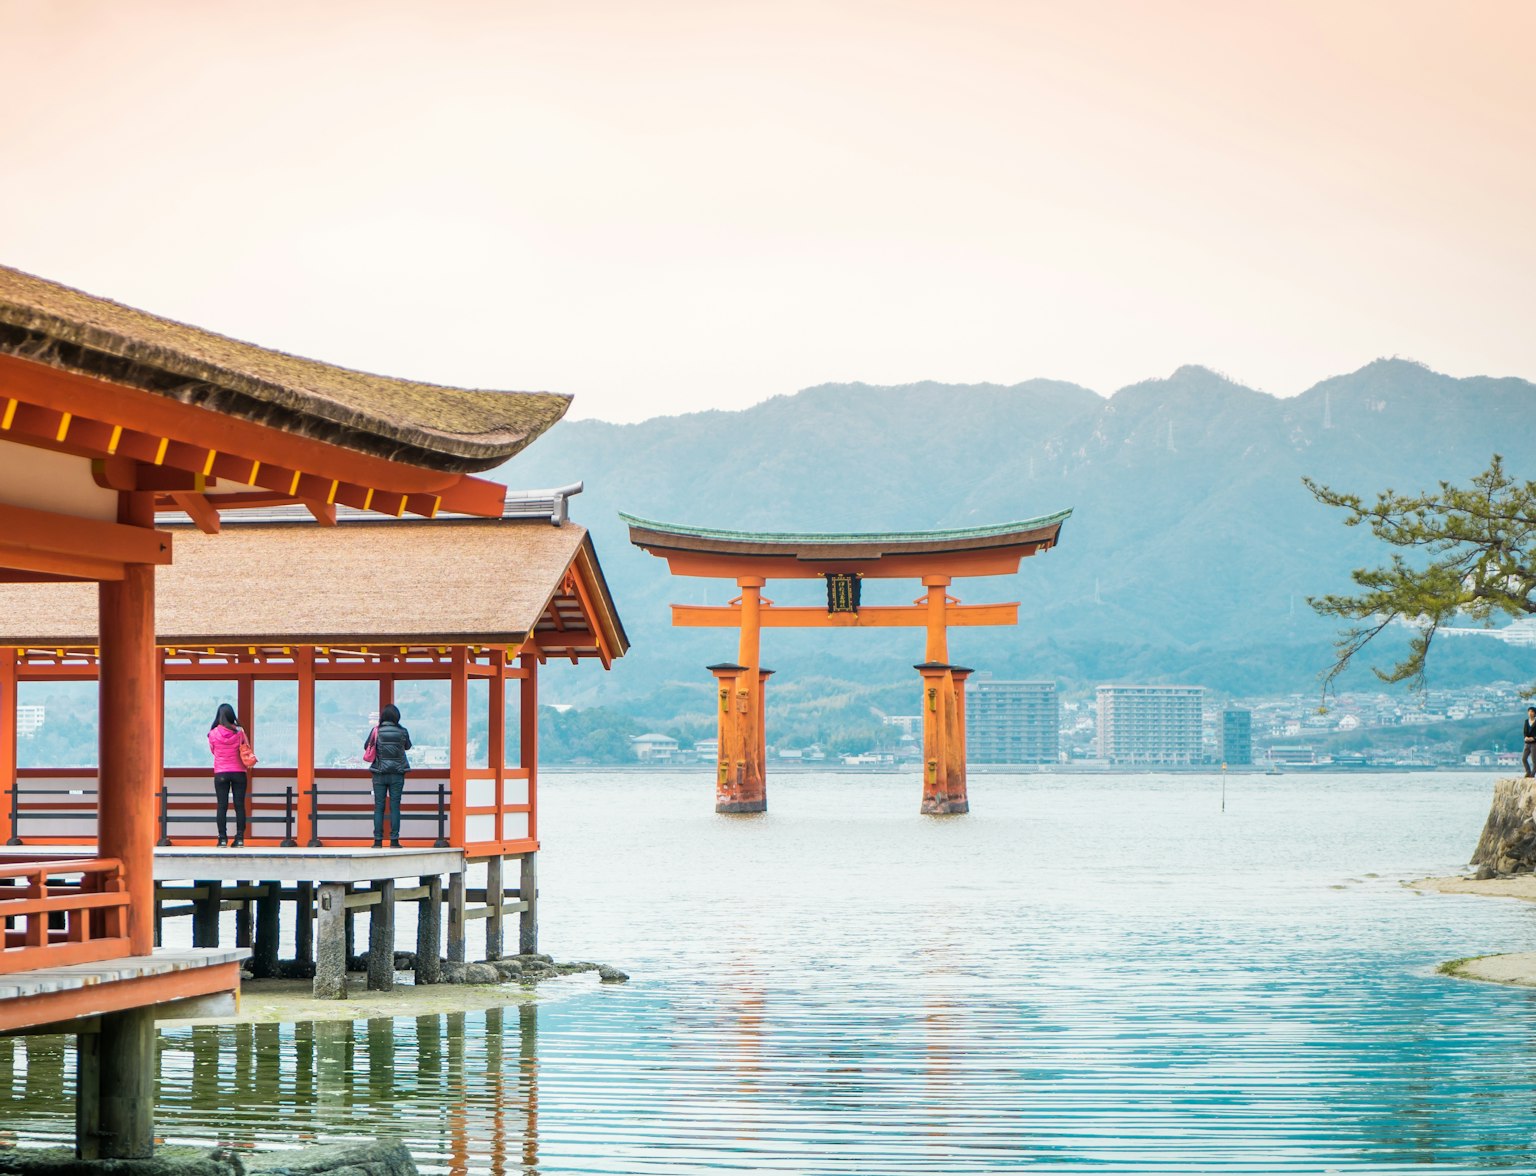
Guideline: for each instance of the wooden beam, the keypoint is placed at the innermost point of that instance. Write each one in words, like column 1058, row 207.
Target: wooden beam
column 881, row 616
column 725, row 565
column 49, row 532
column 199, row 509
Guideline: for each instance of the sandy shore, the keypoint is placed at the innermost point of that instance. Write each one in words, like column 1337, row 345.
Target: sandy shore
column 1511, row 968
column 267, row 1001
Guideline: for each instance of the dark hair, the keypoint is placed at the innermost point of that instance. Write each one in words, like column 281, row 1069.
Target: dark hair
column 389, row 713
column 224, row 716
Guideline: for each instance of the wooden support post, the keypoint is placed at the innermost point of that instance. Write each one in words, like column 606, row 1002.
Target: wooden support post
column 456, row 947
column 495, row 895
column 429, row 931
column 245, row 707
column 751, row 789
column 528, row 752
column 243, row 917
column 726, row 773
column 88, row 1095
column 127, row 1063
column 938, row 718
column 268, row 927
column 330, row 943
column 528, row 892
column 496, row 737
column 458, row 731
column 8, row 681
column 304, row 777
column 205, row 913
column 381, row 938
column 304, row 924
column 128, row 777
column 958, row 764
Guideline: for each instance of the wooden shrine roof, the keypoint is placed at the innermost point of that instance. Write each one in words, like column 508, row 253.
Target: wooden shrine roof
column 381, row 582
column 662, row 538
column 448, row 429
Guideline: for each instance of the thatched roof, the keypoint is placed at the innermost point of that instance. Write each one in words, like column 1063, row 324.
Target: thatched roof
column 449, row 429
column 386, row 582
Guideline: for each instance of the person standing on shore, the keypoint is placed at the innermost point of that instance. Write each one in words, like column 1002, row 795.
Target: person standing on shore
column 229, row 778
column 1529, row 757
column 389, row 742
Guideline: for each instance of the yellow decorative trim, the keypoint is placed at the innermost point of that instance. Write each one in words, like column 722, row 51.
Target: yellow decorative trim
column 165, row 443
column 208, row 465
column 293, row 486
column 63, row 426
column 114, row 440
column 10, row 414
column 368, row 499
column 331, row 497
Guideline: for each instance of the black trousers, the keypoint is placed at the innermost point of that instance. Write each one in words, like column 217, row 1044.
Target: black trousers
column 1529, row 758
column 225, row 783
column 387, row 785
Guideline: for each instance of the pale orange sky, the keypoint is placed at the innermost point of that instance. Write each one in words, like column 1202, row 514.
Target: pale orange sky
column 665, row 206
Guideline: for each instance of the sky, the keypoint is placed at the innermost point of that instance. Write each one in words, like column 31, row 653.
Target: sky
column 665, row 206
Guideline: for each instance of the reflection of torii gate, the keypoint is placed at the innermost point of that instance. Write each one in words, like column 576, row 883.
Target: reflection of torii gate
column 934, row 557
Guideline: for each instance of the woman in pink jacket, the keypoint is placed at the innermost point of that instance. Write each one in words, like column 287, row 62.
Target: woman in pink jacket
column 224, row 740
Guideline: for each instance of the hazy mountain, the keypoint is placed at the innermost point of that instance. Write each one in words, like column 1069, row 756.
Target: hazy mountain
column 1192, row 546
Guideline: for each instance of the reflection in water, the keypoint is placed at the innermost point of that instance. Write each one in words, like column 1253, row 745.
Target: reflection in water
column 1214, row 992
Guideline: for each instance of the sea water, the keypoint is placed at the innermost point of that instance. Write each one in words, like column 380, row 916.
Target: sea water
column 1087, row 973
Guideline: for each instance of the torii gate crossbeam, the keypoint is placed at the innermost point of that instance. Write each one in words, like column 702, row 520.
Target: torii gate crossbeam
column 936, row 558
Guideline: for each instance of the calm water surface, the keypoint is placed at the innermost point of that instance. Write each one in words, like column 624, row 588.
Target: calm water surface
column 1086, row 974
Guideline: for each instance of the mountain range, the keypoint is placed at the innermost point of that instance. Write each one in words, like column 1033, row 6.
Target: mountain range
column 1190, row 553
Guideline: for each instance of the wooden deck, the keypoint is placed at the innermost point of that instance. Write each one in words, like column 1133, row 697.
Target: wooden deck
column 167, row 979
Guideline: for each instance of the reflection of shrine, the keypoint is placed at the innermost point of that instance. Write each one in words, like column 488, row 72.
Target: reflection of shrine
column 935, row 558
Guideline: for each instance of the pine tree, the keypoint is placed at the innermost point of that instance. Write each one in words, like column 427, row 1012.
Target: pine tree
column 1481, row 544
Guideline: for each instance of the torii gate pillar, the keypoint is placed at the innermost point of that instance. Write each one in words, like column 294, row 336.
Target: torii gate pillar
column 741, row 784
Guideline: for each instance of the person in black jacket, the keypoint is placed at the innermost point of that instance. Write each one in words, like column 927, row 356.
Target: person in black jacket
column 389, row 742
column 1529, row 758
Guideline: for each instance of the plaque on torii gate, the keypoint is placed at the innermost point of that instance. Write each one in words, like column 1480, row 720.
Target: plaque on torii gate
column 842, row 561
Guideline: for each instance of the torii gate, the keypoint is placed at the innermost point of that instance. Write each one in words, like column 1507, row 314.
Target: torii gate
column 752, row 559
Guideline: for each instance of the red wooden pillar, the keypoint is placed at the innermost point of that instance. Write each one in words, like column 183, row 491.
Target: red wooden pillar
column 126, row 799
column 458, row 740
column 751, row 782
column 958, row 762
column 304, row 773
column 245, row 707
column 529, row 751
column 8, row 709
column 729, row 772
column 496, row 738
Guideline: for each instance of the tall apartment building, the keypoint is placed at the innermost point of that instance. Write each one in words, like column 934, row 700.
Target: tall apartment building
column 1236, row 736
column 1011, row 722
column 1151, row 724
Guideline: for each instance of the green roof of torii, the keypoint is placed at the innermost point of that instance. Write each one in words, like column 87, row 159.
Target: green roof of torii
column 954, row 535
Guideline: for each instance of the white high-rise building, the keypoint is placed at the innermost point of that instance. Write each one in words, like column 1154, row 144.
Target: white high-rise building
column 1151, row 724
column 1011, row 722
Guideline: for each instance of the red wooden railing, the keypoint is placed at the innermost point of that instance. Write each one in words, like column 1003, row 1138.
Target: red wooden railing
column 93, row 911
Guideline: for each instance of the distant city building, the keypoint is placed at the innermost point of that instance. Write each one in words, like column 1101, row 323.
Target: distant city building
column 1011, row 722
column 654, row 748
column 1236, row 736
column 1151, row 724
column 908, row 725
column 1292, row 753
column 29, row 719
column 706, row 750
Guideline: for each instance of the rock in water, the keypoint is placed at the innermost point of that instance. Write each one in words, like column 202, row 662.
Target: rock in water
column 611, row 975
column 1508, row 843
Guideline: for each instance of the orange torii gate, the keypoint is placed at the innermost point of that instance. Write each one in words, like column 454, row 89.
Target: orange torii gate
column 936, row 558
